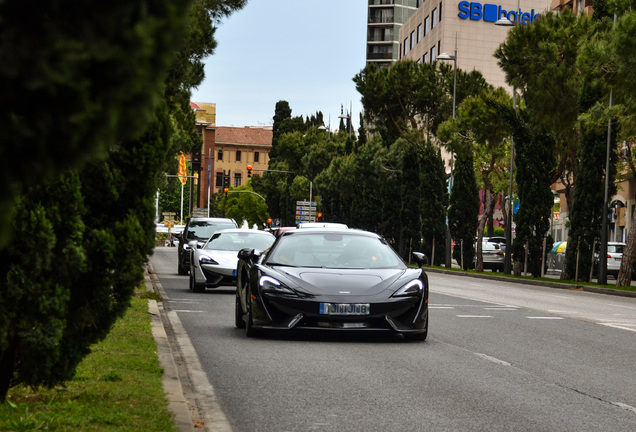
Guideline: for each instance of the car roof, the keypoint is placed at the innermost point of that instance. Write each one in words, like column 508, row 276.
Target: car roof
column 317, row 230
column 322, row 225
column 213, row 219
column 242, row 230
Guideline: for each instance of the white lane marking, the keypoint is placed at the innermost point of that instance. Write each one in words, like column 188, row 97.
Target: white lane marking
column 623, row 306
column 544, row 318
column 441, row 307
column 499, row 308
column 493, row 359
column 625, row 406
column 619, row 327
column 474, row 316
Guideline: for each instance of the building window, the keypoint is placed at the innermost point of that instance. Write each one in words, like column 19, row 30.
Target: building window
column 238, row 155
column 419, row 33
column 425, row 58
column 427, row 25
column 440, row 11
column 439, row 44
column 433, row 56
column 219, row 155
column 219, row 179
column 256, row 156
column 237, row 180
column 406, row 46
column 412, row 41
column 434, row 20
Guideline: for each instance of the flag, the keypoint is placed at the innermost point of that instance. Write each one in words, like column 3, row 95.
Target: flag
column 183, row 170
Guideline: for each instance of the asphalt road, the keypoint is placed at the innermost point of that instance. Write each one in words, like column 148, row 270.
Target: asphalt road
column 499, row 357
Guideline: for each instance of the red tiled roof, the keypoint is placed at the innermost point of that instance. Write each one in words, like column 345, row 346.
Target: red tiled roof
column 244, row 135
column 194, row 106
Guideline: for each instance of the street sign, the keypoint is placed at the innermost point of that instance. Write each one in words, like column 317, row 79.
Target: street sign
column 305, row 203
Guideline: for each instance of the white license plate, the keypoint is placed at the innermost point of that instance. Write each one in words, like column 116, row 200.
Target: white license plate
column 344, row 308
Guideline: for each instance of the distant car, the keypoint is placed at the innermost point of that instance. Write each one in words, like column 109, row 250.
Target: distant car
column 494, row 256
column 614, row 257
column 277, row 231
column 331, row 279
column 501, row 240
column 199, row 229
column 214, row 264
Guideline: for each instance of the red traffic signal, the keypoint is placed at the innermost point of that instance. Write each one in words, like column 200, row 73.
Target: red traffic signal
column 226, row 191
column 249, row 171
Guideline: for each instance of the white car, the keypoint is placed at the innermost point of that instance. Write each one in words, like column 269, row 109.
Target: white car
column 214, row 263
column 614, row 257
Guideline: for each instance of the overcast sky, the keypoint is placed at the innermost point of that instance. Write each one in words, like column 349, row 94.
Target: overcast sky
column 305, row 52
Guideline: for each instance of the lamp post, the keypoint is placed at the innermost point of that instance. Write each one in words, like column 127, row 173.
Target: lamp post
column 449, row 243
column 505, row 22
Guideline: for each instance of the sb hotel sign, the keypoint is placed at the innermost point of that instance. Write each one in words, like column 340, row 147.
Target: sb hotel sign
column 491, row 13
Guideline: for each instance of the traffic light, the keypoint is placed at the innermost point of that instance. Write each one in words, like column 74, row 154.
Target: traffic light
column 226, row 181
column 318, row 217
column 269, row 223
column 226, row 191
column 249, row 171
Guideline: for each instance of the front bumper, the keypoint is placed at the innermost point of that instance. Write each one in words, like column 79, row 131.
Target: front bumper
column 401, row 315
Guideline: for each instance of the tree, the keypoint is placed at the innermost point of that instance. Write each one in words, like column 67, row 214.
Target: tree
column 96, row 223
column 463, row 214
column 87, row 65
column 243, row 204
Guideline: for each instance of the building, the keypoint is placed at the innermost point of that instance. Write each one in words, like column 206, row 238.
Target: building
column 226, row 152
column 385, row 17
column 438, row 26
column 235, row 149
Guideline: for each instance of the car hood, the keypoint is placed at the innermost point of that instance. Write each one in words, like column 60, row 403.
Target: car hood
column 226, row 259
column 341, row 281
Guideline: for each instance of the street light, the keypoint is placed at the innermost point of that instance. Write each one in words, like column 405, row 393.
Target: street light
column 505, row 22
column 446, row 57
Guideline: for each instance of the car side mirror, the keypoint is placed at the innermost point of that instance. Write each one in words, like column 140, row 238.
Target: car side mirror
column 420, row 258
column 246, row 254
column 193, row 244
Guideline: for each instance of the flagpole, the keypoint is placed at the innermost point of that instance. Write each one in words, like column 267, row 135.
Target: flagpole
column 181, row 220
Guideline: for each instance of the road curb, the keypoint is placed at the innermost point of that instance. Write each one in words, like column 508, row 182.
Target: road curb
column 559, row 285
column 170, row 379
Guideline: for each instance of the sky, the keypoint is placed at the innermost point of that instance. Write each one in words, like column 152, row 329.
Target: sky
column 305, row 52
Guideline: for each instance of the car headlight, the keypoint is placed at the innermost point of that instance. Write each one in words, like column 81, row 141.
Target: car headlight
column 185, row 246
column 414, row 287
column 205, row 259
column 269, row 284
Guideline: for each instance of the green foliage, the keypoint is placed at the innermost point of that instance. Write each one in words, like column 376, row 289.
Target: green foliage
column 243, row 204
column 81, row 238
column 81, row 70
column 464, row 207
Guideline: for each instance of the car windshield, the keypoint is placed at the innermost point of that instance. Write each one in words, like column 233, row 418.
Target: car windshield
column 204, row 230
column 235, row 241
column 334, row 250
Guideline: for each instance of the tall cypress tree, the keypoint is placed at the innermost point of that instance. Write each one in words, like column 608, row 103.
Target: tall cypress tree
column 463, row 212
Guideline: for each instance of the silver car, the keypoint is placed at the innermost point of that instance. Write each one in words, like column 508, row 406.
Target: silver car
column 214, row 263
column 494, row 256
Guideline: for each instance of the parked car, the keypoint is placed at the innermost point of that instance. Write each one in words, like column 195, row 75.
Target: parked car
column 214, row 264
column 331, row 279
column 494, row 255
column 614, row 257
column 333, row 225
column 199, row 229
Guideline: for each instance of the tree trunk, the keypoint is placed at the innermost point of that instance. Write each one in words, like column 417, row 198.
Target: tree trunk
column 625, row 273
column 488, row 205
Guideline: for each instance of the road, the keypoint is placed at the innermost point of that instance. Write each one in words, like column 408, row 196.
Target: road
column 499, row 357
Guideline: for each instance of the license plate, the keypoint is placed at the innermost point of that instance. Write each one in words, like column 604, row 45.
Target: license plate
column 344, row 308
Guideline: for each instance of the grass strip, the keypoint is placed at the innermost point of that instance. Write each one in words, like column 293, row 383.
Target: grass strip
column 116, row 388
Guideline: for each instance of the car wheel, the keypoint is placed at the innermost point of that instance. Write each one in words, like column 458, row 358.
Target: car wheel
column 238, row 312
column 194, row 286
column 181, row 269
column 250, row 331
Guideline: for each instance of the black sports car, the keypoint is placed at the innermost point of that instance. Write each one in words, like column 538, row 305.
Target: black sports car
column 331, row 279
